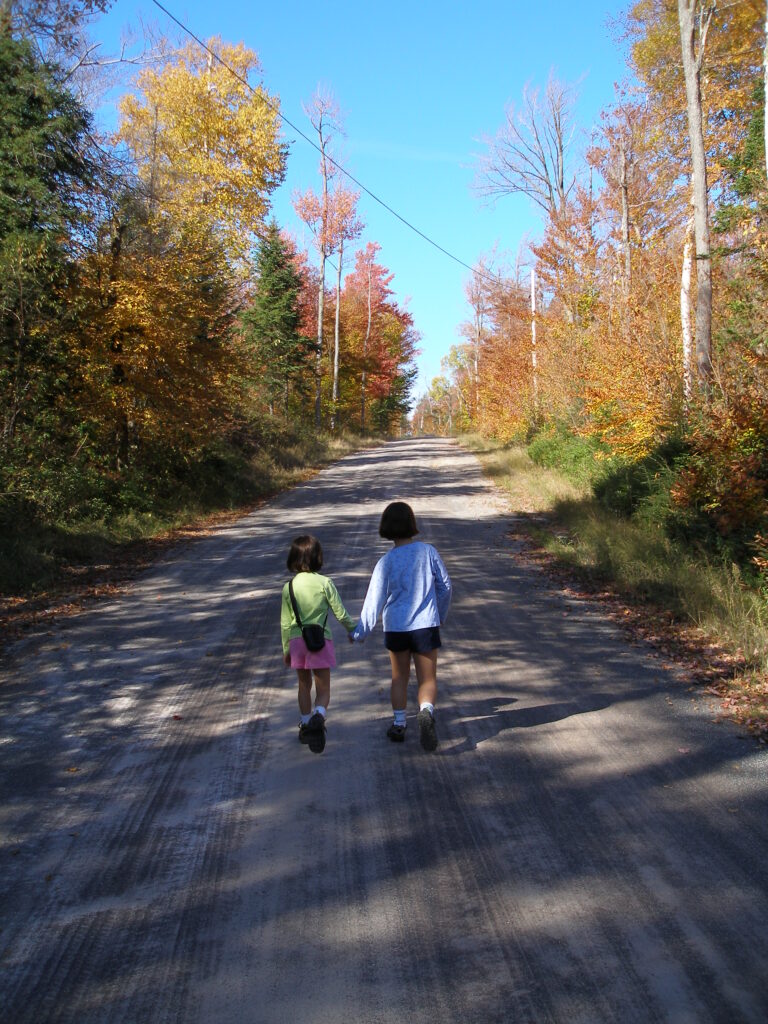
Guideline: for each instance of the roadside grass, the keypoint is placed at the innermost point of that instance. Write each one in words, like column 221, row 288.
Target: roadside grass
column 43, row 556
column 714, row 609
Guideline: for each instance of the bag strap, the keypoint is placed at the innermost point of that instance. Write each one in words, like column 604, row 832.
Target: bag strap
column 296, row 607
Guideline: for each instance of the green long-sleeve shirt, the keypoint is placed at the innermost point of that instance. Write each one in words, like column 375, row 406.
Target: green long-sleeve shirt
column 314, row 594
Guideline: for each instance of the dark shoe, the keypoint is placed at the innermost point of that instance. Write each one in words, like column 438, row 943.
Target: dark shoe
column 316, row 733
column 396, row 733
column 427, row 731
column 303, row 733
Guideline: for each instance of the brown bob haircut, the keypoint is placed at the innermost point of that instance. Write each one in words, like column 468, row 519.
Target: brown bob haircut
column 398, row 522
column 306, row 554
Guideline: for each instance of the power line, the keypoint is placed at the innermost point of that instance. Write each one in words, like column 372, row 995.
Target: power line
column 314, row 145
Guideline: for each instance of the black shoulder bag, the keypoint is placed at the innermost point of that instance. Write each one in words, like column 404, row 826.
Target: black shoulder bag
column 314, row 636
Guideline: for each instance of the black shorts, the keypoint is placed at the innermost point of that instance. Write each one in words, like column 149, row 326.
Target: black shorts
column 417, row 641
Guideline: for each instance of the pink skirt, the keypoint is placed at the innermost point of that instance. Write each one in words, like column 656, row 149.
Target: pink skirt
column 303, row 658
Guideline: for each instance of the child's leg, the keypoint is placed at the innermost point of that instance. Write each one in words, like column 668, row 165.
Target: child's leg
column 426, row 675
column 316, row 724
column 401, row 671
column 305, row 691
column 322, row 687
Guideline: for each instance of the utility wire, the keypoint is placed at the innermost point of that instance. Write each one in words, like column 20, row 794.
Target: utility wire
column 314, row 145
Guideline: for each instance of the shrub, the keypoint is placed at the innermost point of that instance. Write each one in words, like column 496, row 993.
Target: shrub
column 583, row 460
column 641, row 488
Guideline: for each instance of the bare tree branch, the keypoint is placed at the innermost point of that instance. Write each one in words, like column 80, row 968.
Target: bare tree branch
column 529, row 153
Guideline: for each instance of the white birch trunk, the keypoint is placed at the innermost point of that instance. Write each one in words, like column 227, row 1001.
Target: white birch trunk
column 319, row 352
column 476, row 362
column 366, row 341
column 685, row 311
column 335, row 391
column 692, row 63
column 321, row 289
column 534, row 362
column 625, row 223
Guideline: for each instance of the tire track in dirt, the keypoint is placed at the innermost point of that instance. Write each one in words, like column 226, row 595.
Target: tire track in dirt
column 585, row 845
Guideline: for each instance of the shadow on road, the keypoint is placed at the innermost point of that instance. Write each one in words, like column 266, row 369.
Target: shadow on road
column 574, row 851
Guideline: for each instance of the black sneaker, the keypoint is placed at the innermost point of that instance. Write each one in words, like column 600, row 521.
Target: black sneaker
column 427, row 731
column 303, row 733
column 396, row 733
column 316, row 733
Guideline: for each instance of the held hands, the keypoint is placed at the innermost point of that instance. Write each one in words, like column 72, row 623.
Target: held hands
column 287, row 660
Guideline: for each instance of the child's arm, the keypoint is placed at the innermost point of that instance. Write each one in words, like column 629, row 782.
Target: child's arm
column 286, row 618
column 337, row 606
column 443, row 588
column 374, row 602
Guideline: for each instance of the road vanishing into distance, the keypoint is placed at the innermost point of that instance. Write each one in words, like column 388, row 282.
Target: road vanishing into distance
column 586, row 845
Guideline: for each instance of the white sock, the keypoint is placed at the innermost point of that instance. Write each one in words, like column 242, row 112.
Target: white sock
column 320, row 709
column 305, row 719
column 425, row 705
column 400, row 717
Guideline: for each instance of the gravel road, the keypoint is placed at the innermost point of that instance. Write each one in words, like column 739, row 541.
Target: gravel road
column 585, row 846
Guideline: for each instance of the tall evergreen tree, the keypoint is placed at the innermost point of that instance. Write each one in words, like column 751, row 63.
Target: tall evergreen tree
column 42, row 178
column 272, row 324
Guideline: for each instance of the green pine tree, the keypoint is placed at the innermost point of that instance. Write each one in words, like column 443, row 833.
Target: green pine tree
column 43, row 178
column 272, row 326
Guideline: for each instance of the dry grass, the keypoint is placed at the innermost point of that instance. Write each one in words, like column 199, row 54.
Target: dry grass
column 702, row 609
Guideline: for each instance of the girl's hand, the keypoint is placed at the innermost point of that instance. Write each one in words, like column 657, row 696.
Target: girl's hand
column 287, row 660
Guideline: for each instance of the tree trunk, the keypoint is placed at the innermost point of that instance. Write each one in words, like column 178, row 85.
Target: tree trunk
column 625, row 222
column 319, row 351
column 685, row 311
column 533, row 342
column 366, row 341
column 692, row 62
column 335, row 392
column 476, row 364
column 321, row 292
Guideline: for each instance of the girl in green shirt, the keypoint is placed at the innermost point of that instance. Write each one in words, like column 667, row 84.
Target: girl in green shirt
column 314, row 595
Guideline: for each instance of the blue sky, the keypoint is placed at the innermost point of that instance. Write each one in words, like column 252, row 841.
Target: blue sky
column 419, row 84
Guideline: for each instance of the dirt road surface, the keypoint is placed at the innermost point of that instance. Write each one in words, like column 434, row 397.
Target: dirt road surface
column 585, row 846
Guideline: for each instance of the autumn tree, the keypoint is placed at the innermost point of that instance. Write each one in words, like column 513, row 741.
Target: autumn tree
column 167, row 274
column 368, row 310
column 474, row 331
column 390, row 347
column 156, row 342
column 344, row 226
column 391, row 380
column 206, row 146
column 698, row 62
column 325, row 118
column 374, row 286
column 438, row 411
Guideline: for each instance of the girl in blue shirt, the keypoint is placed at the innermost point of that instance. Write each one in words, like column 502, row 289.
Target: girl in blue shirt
column 411, row 590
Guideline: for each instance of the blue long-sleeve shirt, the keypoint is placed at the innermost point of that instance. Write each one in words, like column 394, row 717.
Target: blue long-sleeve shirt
column 410, row 589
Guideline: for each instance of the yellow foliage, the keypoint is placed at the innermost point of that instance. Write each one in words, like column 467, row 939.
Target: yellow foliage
column 158, row 363
column 207, row 147
column 731, row 66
